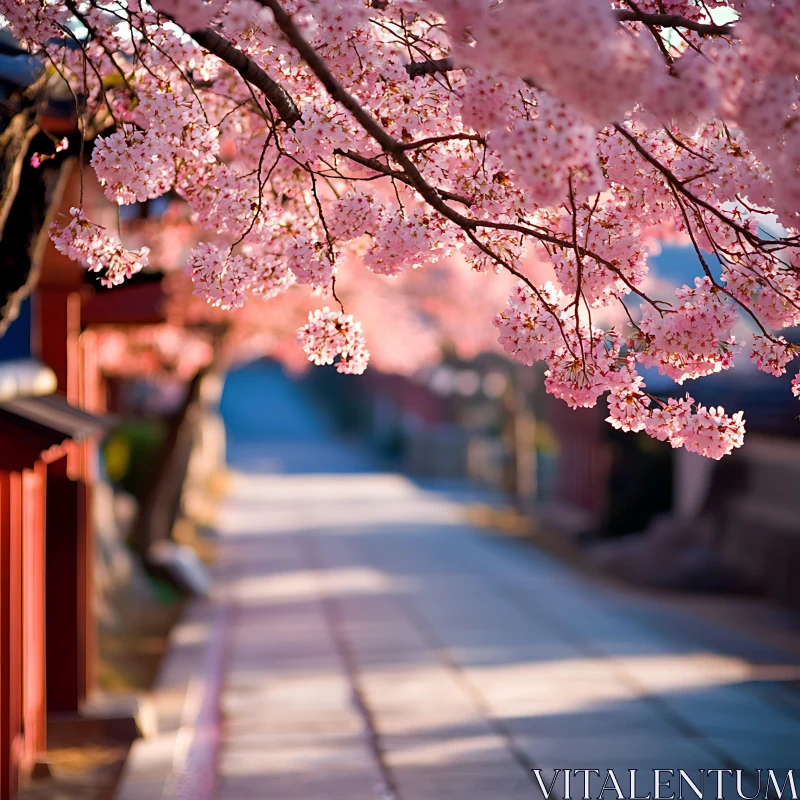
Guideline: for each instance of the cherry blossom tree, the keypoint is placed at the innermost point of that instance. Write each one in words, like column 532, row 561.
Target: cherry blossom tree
column 304, row 134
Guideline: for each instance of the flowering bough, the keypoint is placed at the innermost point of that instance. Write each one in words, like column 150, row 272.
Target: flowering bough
column 82, row 240
column 404, row 132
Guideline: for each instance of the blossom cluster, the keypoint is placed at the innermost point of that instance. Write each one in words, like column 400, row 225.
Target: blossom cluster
column 529, row 327
column 330, row 336
column 133, row 165
column 584, row 364
column 692, row 339
column 88, row 243
column 706, row 431
column 772, row 354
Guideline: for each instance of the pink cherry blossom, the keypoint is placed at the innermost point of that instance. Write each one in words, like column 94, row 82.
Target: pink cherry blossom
column 191, row 15
column 354, row 215
column 692, row 339
column 134, row 166
column 772, row 354
column 530, row 326
column 310, row 261
column 89, row 244
column 219, row 276
column 712, row 433
column 628, row 406
column 329, row 335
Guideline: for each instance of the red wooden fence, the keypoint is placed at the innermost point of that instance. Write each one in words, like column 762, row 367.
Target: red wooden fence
column 22, row 610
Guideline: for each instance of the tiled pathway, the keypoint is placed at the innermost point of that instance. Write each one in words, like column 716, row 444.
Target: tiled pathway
column 381, row 647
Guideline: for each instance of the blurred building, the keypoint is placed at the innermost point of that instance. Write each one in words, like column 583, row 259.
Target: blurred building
column 52, row 404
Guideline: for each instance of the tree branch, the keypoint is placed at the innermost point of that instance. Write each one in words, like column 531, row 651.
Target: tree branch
column 250, row 72
column 438, row 66
column 377, row 166
column 449, row 137
column 673, row 21
column 335, row 89
column 673, row 180
column 442, row 66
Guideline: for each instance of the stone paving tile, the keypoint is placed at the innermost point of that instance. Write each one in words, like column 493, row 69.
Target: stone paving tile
column 447, row 778
column 302, row 783
column 619, row 750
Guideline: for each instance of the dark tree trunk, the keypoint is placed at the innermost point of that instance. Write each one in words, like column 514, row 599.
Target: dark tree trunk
column 27, row 196
column 160, row 502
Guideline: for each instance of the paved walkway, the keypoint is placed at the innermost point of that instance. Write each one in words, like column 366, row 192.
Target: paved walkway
column 378, row 646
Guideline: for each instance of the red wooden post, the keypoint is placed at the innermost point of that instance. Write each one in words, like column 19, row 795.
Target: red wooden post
column 10, row 633
column 5, row 689
column 58, row 314
column 92, row 386
column 92, row 398
column 68, row 629
column 69, row 534
column 33, row 612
